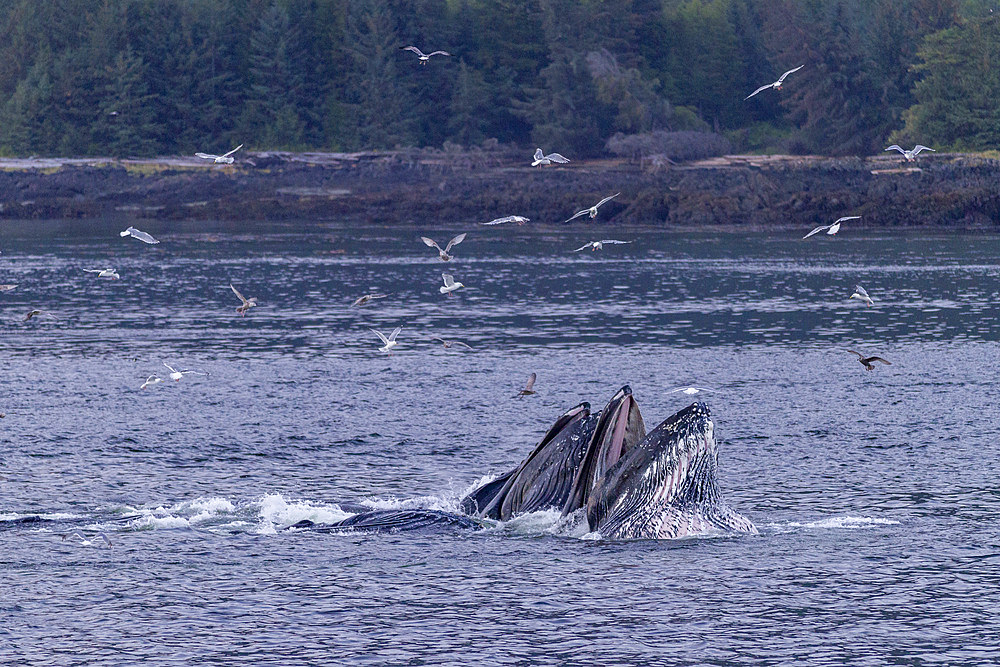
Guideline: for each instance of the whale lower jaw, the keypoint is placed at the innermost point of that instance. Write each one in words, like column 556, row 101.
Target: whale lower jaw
column 665, row 521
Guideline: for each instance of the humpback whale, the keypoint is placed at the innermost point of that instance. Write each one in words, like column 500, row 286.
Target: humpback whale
column 627, row 483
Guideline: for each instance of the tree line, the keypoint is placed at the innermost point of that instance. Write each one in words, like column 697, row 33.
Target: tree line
column 146, row 77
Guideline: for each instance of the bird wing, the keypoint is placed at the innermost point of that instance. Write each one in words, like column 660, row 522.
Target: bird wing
column 438, row 53
column 455, row 241
column 395, row 332
column 449, row 279
column 430, row 243
column 498, row 221
column 207, row 156
column 95, row 270
column 584, row 247
column 233, row 151
column 359, row 300
column 151, row 378
column 871, row 359
column 556, row 157
column 861, row 291
column 606, row 200
column 414, row 49
column 782, row 77
column 538, row 154
column 579, row 213
column 895, row 147
column 458, row 342
column 612, row 241
column 848, row 217
column 172, row 369
column 921, row 147
column 238, row 294
column 817, row 231
column 385, row 341
column 860, row 356
column 764, row 87
column 531, row 382
column 142, row 236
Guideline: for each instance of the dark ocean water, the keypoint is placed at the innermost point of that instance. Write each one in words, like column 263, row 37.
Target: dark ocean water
column 876, row 494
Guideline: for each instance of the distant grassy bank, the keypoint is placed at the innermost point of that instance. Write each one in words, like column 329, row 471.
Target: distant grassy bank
column 429, row 187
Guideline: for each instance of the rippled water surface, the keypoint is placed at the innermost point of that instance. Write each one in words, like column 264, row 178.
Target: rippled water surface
column 875, row 493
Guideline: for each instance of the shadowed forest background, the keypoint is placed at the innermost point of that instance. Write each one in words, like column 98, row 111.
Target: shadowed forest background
column 586, row 78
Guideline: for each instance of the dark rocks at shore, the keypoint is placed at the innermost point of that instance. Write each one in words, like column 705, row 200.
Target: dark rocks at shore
column 435, row 187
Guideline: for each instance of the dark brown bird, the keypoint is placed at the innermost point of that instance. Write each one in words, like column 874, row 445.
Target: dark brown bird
column 449, row 343
column 529, row 388
column 867, row 361
column 31, row 314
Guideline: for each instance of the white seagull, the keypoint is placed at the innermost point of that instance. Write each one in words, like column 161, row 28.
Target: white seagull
column 690, row 391
column 152, row 379
column 599, row 245
column 910, row 155
column 547, row 159
column 85, row 542
column 519, row 219
column 136, row 234
column 529, row 387
column 104, row 273
column 220, row 159
column 776, row 85
column 420, row 54
column 362, row 300
column 860, row 293
column 247, row 303
column 390, row 342
column 593, row 209
column 449, row 284
column 834, row 228
column 176, row 375
column 443, row 254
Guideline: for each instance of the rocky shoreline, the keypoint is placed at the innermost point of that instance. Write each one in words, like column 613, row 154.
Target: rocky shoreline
column 449, row 187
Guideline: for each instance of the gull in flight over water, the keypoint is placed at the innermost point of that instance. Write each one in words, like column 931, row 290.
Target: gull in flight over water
column 548, row 159
column 38, row 313
column 362, row 300
column 420, row 54
column 152, row 379
column 85, row 542
column 599, row 245
column 519, row 219
column 860, row 293
column 449, row 284
column 529, row 387
column 443, row 254
column 104, row 273
column 593, row 209
column 136, row 234
column 689, row 391
column 220, row 159
column 7, row 288
column 247, row 303
column 867, row 361
column 776, row 85
column 910, row 155
column 176, row 375
column 834, row 228
column 449, row 343
column 390, row 342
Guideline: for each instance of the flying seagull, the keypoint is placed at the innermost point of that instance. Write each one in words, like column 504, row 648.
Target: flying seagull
column 529, row 387
column 867, row 361
column 834, row 228
column 910, row 155
column 424, row 58
column 449, row 284
column 7, row 288
column 776, row 85
column 443, row 254
column 860, row 293
column 448, row 343
column 689, row 391
column 220, row 159
column 593, row 209
column 136, row 234
column 85, row 542
column 176, row 375
column 104, row 273
column 362, row 300
column 547, row 159
column 599, row 245
column 152, row 379
column 38, row 313
column 390, row 342
column 510, row 218
column 247, row 303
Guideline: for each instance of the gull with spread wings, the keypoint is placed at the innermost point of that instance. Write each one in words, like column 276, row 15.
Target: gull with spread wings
column 420, row 54
column 599, row 245
column 137, row 234
column 541, row 159
column 390, row 342
column 776, row 85
column 860, row 293
column 529, row 387
column 519, row 219
column 910, row 155
column 247, row 303
column 176, row 375
column 443, row 254
column 362, row 300
column 867, row 361
column 592, row 211
column 104, row 273
column 220, row 159
column 834, row 228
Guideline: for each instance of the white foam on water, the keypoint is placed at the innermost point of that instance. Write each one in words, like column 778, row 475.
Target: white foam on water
column 52, row 516
column 276, row 512
column 419, row 503
column 841, row 522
